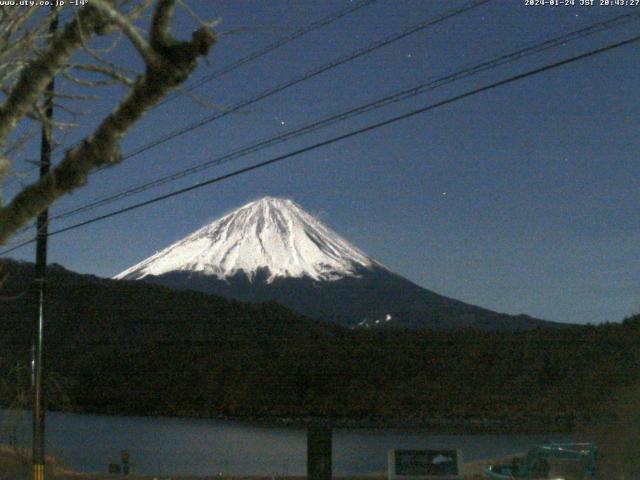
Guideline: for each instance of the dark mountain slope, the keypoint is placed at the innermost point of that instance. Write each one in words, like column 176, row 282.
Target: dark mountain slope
column 375, row 298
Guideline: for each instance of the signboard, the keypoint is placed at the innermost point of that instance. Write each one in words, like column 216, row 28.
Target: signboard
column 427, row 464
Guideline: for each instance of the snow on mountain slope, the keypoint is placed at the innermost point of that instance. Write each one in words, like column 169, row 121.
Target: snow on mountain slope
column 273, row 234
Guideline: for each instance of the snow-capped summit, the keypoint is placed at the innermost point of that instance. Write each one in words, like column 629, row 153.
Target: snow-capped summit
column 271, row 235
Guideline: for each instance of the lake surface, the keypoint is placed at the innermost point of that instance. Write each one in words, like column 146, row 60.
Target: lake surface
column 173, row 446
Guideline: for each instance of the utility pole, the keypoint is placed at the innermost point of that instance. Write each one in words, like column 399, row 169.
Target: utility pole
column 319, row 450
column 38, row 455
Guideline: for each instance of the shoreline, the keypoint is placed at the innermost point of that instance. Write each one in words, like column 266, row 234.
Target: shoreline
column 15, row 464
column 436, row 426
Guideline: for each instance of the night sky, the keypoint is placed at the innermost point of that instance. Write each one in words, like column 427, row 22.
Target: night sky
column 523, row 199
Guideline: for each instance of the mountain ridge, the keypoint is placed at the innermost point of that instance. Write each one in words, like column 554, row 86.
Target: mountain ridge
column 272, row 250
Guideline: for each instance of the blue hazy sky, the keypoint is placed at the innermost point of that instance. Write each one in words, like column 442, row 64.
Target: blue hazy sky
column 523, row 199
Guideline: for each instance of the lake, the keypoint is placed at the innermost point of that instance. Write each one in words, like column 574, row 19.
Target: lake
column 173, row 446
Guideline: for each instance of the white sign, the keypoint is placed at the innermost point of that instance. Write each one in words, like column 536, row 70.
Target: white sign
column 425, row 464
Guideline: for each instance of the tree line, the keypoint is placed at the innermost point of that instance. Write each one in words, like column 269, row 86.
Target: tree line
column 132, row 348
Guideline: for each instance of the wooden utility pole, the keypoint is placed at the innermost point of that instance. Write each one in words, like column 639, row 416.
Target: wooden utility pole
column 38, row 454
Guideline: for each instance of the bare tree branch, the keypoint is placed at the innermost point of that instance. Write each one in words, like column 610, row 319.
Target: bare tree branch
column 171, row 63
column 160, row 35
column 138, row 41
column 107, row 72
column 38, row 73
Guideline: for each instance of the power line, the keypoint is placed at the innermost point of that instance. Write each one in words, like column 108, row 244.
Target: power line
column 343, row 137
column 273, row 46
column 324, row 21
column 308, row 75
column 332, row 119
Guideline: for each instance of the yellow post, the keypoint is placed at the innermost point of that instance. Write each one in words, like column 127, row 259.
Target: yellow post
column 38, row 471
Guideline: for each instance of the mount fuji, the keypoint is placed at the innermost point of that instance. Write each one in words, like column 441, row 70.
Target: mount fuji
column 273, row 250
column 273, row 236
